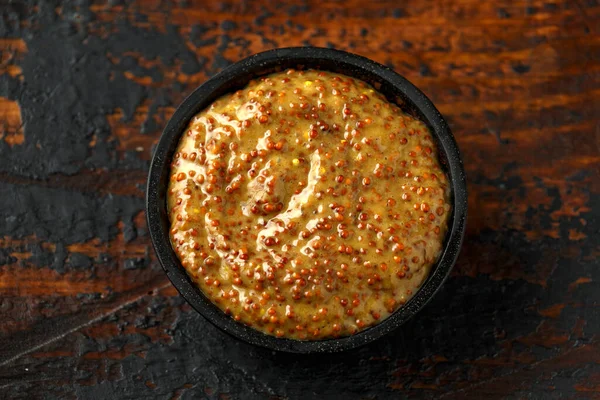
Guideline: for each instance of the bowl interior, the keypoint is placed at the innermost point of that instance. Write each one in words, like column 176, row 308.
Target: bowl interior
column 397, row 89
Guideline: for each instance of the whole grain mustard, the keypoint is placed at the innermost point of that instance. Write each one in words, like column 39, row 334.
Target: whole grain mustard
column 306, row 205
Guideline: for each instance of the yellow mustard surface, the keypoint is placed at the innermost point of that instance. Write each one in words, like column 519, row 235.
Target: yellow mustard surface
column 306, row 205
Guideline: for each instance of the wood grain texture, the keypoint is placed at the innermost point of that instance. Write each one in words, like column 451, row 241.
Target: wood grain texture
column 85, row 89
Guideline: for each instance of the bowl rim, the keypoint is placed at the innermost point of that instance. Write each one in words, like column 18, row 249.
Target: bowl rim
column 236, row 76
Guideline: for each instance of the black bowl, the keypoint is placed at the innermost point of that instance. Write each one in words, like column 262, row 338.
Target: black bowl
column 397, row 89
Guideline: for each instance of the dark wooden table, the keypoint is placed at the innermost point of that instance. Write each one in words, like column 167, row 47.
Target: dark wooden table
column 87, row 312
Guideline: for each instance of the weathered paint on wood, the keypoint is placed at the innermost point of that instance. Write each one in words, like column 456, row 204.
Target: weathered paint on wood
column 85, row 89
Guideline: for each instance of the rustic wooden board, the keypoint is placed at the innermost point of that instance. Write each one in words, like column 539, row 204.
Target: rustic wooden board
column 86, row 310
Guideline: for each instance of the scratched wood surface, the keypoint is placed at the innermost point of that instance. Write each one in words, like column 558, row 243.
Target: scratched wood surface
column 85, row 89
